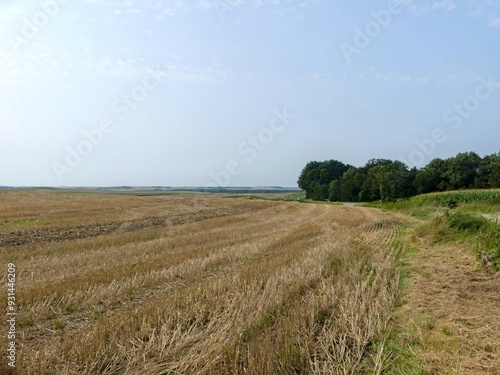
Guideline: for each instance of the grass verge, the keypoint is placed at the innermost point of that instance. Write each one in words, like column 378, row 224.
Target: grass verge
column 397, row 349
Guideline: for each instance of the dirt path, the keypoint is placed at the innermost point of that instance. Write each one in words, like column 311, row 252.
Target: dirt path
column 453, row 311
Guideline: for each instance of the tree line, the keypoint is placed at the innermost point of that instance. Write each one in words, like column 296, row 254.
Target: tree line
column 388, row 180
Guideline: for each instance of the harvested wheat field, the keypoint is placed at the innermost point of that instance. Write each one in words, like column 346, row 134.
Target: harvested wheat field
column 110, row 284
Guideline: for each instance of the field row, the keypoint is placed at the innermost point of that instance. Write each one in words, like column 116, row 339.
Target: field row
column 257, row 287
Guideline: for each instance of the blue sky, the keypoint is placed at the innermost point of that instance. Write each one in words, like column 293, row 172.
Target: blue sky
column 240, row 92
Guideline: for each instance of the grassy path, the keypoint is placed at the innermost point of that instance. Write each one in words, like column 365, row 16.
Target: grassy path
column 452, row 311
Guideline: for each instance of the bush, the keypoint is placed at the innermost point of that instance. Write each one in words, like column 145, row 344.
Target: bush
column 461, row 221
column 450, row 203
column 481, row 234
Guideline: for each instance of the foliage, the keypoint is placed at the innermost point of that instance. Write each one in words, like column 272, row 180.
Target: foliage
column 465, row 222
column 388, row 180
column 482, row 234
column 316, row 177
column 465, row 196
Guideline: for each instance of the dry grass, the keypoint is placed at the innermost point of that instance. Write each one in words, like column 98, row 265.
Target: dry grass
column 194, row 285
column 451, row 311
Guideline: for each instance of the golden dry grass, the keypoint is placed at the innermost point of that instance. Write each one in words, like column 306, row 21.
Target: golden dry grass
column 194, row 285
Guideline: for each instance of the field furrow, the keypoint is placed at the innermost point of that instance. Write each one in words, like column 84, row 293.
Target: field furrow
column 260, row 287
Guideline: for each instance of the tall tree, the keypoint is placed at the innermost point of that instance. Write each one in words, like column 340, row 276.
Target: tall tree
column 316, row 177
column 308, row 177
column 488, row 173
column 462, row 171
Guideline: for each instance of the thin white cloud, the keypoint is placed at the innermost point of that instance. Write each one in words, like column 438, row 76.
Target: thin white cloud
column 477, row 8
column 423, row 80
column 455, row 79
column 458, row 79
column 393, row 78
column 43, row 63
column 318, row 78
column 165, row 9
column 358, row 76
column 140, row 8
column 231, row 5
column 442, row 5
column 495, row 22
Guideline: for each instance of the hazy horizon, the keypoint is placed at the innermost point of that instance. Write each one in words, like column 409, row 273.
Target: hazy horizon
column 240, row 92
column 137, row 187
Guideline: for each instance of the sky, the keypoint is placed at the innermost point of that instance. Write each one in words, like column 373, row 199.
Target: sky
column 240, row 92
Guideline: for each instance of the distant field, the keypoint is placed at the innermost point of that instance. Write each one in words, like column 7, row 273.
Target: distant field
column 159, row 190
column 113, row 284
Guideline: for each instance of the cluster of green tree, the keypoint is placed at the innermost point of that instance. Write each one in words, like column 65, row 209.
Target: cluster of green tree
column 387, row 180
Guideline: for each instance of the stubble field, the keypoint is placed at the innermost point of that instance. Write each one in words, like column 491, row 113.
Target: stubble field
column 110, row 284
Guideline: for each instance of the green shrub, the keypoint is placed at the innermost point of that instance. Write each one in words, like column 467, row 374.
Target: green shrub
column 482, row 235
column 461, row 221
column 450, row 203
